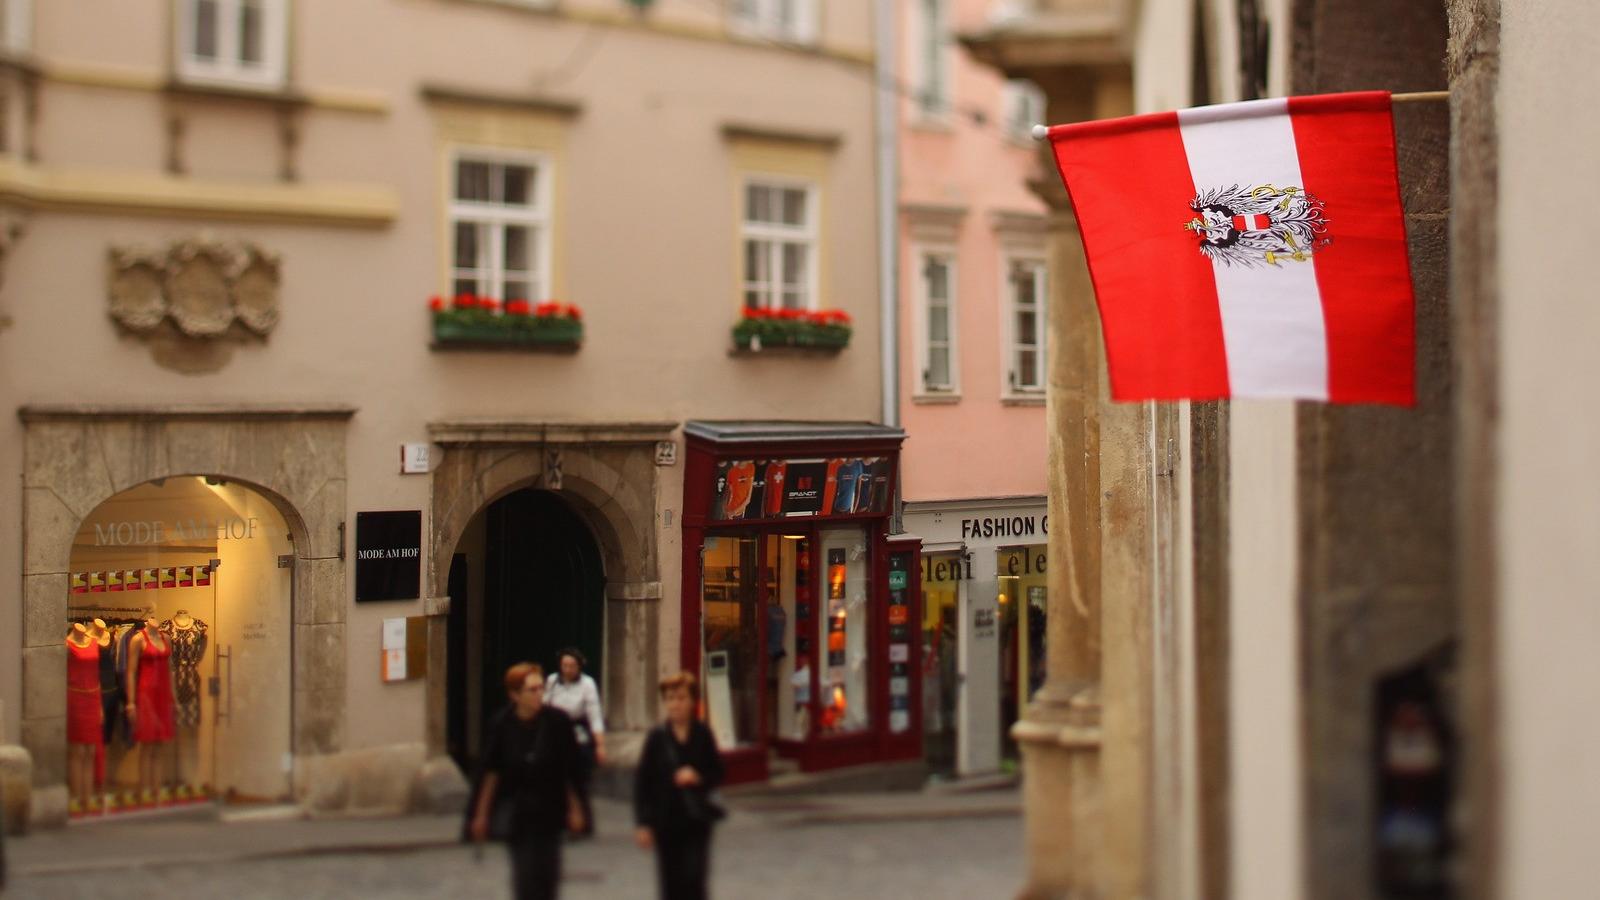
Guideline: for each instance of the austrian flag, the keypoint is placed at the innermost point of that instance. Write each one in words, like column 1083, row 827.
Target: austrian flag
column 1250, row 249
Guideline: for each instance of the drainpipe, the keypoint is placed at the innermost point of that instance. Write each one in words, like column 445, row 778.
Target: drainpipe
column 888, row 212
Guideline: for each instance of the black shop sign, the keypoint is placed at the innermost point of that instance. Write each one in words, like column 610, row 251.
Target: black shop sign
column 388, row 555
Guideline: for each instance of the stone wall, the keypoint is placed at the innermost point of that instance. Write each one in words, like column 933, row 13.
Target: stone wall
column 609, row 475
column 74, row 458
column 1375, row 484
column 1474, row 296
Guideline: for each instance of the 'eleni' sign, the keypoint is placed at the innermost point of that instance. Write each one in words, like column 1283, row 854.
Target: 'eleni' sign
column 388, row 555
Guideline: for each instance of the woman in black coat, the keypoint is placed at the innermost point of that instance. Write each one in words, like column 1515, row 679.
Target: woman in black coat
column 527, row 788
column 672, row 802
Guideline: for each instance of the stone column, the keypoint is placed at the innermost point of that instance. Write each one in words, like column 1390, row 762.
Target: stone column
column 1088, row 813
column 1060, row 733
column 1474, row 68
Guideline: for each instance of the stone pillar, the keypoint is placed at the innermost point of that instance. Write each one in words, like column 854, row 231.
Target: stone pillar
column 1474, row 66
column 1375, row 483
column 1059, row 734
column 1089, row 814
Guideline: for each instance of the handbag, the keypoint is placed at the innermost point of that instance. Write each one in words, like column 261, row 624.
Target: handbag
column 501, row 815
column 704, row 807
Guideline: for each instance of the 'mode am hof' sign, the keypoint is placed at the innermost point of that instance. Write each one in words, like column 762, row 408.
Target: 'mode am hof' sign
column 388, row 555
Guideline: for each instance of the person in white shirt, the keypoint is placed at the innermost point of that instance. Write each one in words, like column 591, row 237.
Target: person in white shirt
column 575, row 694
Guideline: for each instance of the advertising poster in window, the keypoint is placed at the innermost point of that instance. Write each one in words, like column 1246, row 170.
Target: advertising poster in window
column 796, row 488
column 899, row 642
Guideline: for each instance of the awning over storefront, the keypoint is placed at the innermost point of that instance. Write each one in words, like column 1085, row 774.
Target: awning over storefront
column 783, row 432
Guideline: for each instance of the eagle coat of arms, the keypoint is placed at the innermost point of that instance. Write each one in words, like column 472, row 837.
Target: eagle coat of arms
column 1258, row 226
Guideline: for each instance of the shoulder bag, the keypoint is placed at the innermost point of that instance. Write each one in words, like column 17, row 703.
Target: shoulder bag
column 704, row 807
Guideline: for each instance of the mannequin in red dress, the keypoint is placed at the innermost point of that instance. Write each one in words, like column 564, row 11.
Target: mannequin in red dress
column 150, row 704
column 83, row 714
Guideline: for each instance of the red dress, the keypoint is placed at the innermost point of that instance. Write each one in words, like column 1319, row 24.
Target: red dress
column 83, row 693
column 152, row 716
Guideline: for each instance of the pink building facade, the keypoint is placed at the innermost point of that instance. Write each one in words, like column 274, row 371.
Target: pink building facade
column 973, row 280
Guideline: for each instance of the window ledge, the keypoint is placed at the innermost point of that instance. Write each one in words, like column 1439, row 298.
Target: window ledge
column 942, row 398
column 1022, row 399
column 464, row 96
column 194, row 87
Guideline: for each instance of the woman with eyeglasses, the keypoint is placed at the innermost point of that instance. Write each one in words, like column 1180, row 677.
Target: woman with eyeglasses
column 528, row 786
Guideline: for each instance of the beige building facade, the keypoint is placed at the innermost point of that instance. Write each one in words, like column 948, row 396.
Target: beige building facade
column 223, row 222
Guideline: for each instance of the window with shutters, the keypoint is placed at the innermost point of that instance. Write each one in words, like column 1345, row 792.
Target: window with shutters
column 16, row 25
column 1025, row 329
column 933, row 59
column 1022, row 107
column 233, row 42
column 500, row 225
column 788, row 21
column 936, row 320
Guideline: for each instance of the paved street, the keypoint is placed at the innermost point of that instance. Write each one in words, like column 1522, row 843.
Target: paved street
column 867, row 847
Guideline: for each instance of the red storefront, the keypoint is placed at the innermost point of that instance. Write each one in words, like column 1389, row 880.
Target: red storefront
column 799, row 611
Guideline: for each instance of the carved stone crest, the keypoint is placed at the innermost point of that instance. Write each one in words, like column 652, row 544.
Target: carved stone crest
column 194, row 299
column 201, row 285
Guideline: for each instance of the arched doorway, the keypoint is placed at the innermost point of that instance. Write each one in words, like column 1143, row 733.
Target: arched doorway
column 205, row 563
column 526, row 580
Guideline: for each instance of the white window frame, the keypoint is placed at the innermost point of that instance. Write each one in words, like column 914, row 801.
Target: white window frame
column 933, row 92
column 764, row 19
column 227, row 68
column 1019, row 92
column 777, row 235
column 1012, row 385
column 497, row 215
column 18, row 25
column 923, row 320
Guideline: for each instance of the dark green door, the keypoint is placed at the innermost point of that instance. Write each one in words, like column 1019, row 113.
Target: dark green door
column 544, row 588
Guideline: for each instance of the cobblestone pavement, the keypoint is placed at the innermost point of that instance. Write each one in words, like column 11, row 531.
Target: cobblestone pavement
column 754, row 856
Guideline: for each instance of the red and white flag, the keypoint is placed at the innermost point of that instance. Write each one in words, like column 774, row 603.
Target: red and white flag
column 1250, row 249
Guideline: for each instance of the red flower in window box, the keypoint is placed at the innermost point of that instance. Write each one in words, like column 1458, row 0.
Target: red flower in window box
column 758, row 327
column 473, row 320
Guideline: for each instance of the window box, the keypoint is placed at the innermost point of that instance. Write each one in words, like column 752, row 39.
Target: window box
column 483, row 322
column 761, row 328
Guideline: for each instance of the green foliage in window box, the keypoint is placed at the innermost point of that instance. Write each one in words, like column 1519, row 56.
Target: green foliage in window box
column 825, row 330
column 483, row 320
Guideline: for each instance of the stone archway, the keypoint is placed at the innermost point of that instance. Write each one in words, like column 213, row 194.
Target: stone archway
column 76, row 457
column 608, row 474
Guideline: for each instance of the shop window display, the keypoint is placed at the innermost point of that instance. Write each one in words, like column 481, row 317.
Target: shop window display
column 791, row 599
column 941, row 621
column 842, row 633
column 1023, row 612
column 178, row 637
column 730, row 604
column 807, row 609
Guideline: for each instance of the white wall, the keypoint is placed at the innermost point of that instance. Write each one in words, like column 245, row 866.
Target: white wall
column 1549, row 490
column 1264, row 668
